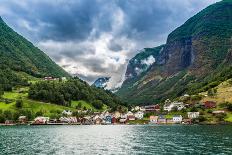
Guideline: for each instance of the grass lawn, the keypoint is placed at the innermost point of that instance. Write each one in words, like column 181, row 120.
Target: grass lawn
column 32, row 105
column 224, row 93
column 13, row 95
column 35, row 106
column 229, row 117
column 4, row 106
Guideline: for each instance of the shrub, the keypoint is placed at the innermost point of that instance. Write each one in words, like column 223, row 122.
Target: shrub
column 229, row 106
column 210, row 111
column 39, row 113
column 221, row 117
column 19, row 103
column 97, row 104
column 202, row 118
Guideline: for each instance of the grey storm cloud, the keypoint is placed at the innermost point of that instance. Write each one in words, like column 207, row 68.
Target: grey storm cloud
column 114, row 46
column 94, row 38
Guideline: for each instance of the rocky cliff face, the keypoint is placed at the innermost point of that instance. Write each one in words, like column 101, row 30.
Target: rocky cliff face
column 142, row 62
column 196, row 57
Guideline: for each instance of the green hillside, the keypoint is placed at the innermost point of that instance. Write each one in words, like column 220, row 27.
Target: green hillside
column 196, row 57
column 18, row 54
column 24, row 92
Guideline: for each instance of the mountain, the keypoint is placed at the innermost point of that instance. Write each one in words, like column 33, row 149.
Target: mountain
column 22, row 62
column 18, row 54
column 196, row 57
column 101, row 82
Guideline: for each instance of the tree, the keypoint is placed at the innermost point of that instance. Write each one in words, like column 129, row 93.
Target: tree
column 39, row 113
column 97, row 104
column 8, row 115
column 202, row 118
column 1, row 92
column 220, row 117
column 174, row 109
column 212, row 92
column 79, row 105
column 19, row 103
column 193, row 109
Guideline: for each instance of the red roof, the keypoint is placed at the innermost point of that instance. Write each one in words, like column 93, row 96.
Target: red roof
column 210, row 104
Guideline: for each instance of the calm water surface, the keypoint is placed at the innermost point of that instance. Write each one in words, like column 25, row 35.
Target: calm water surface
column 118, row 139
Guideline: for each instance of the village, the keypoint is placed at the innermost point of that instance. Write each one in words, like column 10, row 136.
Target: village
column 170, row 113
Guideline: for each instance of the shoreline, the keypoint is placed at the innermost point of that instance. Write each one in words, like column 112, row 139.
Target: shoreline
column 148, row 124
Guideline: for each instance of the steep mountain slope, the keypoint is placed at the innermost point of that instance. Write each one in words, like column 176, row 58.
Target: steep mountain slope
column 196, row 57
column 18, row 54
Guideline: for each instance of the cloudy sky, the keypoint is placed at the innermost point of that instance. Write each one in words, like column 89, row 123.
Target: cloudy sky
column 96, row 38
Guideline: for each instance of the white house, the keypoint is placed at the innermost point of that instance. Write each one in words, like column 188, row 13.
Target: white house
column 193, row 114
column 154, row 119
column 123, row 120
column 117, row 114
column 177, row 119
column 142, row 108
column 136, row 108
column 68, row 119
column 41, row 120
column 67, row 112
column 139, row 115
column 186, row 95
column 129, row 113
column 130, row 116
column 169, row 106
column 124, row 116
column 96, row 117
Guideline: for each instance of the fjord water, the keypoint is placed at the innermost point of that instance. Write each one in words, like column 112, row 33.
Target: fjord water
column 117, row 139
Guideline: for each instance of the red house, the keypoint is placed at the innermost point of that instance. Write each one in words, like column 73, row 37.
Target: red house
column 152, row 108
column 114, row 120
column 210, row 104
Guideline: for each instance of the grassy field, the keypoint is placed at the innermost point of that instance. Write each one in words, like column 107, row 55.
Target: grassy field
column 35, row 106
column 229, row 117
column 224, row 93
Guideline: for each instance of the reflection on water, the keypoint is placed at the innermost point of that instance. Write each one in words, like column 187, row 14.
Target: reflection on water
column 118, row 139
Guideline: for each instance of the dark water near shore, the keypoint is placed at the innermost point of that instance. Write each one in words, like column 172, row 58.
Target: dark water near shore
column 116, row 139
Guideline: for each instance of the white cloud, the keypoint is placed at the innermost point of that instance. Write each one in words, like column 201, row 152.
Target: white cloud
column 148, row 61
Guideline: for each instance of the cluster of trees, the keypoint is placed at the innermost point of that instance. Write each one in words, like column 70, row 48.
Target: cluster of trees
column 62, row 93
column 8, row 79
column 14, row 115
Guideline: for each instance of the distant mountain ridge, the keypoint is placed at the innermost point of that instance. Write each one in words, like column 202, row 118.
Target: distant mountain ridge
column 18, row 54
column 196, row 57
column 101, row 82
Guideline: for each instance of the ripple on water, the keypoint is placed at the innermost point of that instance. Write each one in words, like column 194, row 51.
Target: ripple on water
column 119, row 139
